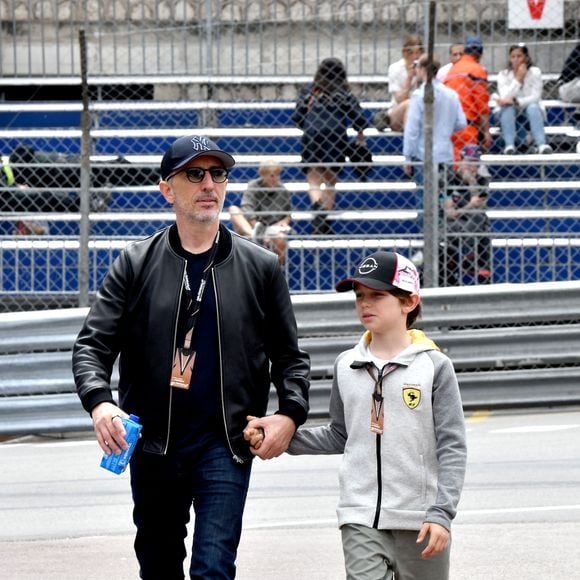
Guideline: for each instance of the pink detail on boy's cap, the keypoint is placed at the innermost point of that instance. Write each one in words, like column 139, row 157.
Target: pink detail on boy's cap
column 406, row 276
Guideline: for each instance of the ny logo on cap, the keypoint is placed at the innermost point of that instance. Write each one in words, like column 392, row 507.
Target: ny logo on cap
column 200, row 143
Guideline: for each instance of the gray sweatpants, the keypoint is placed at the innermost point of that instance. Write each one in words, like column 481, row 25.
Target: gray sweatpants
column 371, row 554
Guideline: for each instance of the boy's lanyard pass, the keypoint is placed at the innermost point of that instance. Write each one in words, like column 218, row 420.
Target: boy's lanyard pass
column 184, row 357
column 377, row 399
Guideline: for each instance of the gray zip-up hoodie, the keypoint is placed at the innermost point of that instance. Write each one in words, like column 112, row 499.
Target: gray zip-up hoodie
column 412, row 473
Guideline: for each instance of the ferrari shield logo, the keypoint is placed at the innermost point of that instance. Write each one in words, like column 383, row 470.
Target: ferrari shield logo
column 411, row 396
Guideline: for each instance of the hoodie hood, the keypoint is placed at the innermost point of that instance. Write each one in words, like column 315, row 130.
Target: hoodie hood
column 420, row 343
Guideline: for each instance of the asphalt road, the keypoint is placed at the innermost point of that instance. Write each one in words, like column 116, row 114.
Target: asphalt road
column 62, row 517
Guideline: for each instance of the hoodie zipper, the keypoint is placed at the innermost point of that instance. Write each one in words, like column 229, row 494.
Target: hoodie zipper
column 379, row 481
column 378, row 394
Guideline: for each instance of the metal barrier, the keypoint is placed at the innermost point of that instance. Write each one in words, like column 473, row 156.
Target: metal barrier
column 512, row 345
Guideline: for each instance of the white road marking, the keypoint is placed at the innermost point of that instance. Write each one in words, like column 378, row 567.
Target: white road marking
column 521, row 509
column 535, row 429
column 493, row 511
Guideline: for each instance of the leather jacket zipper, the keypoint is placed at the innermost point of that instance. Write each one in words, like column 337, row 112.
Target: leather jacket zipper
column 173, row 350
column 235, row 457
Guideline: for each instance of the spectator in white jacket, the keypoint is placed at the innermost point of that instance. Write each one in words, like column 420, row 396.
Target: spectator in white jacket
column 455, row 53
column 518, row 102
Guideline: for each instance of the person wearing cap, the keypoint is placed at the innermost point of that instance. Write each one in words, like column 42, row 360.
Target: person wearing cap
column 466, row 252
column 519, row 102
column 203, row 322
column 266, row 211
column 468, row 78
column 396, row 416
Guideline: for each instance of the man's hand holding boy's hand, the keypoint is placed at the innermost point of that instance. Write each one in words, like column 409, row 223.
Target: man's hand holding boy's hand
column 277, row 432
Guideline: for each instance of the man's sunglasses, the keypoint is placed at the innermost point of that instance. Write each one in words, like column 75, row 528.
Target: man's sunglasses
column 197, row 174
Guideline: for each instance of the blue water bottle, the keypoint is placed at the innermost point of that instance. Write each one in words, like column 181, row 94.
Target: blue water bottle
column 118, row 463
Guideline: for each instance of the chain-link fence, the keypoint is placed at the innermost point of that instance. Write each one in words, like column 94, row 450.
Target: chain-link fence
column 263, row 94
column 254, row 38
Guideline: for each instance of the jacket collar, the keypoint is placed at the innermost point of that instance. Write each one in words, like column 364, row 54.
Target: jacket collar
column 224, row 247
column 420, row 343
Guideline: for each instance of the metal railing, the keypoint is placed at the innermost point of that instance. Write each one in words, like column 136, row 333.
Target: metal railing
column 512, row 345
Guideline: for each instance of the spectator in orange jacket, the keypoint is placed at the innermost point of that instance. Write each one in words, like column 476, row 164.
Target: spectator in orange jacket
column 469, row 79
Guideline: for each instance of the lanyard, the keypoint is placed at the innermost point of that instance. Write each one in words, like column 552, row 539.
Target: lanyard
column 377, row 407
column 378, row 380
column 193, row 307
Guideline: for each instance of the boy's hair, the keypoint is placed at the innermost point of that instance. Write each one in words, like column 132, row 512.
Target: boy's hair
column 403, row 298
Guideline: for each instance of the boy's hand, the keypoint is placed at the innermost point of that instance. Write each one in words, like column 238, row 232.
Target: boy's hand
column 254, row 435
column 274, row 433
column 438, row 539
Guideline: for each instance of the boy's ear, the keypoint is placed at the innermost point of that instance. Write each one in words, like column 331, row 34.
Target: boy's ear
column 412, row 302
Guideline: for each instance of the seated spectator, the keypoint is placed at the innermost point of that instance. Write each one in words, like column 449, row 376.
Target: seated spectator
column 37, row 180
column 468, row 78
column 402, row 82
column 12, row 196
column 20, row 194
column 569, row 80
column 467, row 247
column 265, row 213
column 518, row 102
column 455, row 53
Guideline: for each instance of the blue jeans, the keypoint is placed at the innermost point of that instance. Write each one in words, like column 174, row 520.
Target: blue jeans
column 513, row 124
column 164, row 489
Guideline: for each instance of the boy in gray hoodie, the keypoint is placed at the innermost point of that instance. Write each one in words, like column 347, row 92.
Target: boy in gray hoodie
column 397, row 417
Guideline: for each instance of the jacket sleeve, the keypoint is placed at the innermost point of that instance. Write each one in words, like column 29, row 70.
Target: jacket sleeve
column 249, row 204
column 98, row 343
column 301, row 109
column 290, row 366
column 413, row 127
column 325, row 439
column 356, row 114
column 451, row 442
column 460, row 120
column 533, row 87
column 507, row 85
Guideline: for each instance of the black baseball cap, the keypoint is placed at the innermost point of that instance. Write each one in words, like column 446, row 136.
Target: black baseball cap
column 188, row 148
column 383, row 271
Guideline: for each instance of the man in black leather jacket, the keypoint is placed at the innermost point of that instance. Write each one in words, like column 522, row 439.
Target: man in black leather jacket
column 202, row 321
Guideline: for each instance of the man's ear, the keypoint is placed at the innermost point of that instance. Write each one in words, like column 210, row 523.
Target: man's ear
column 166, row 191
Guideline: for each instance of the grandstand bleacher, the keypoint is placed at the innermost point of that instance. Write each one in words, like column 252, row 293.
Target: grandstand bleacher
column 531, row 207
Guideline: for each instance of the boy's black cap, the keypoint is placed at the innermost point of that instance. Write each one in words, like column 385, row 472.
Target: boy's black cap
column 186, row 149
column 383, row 271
